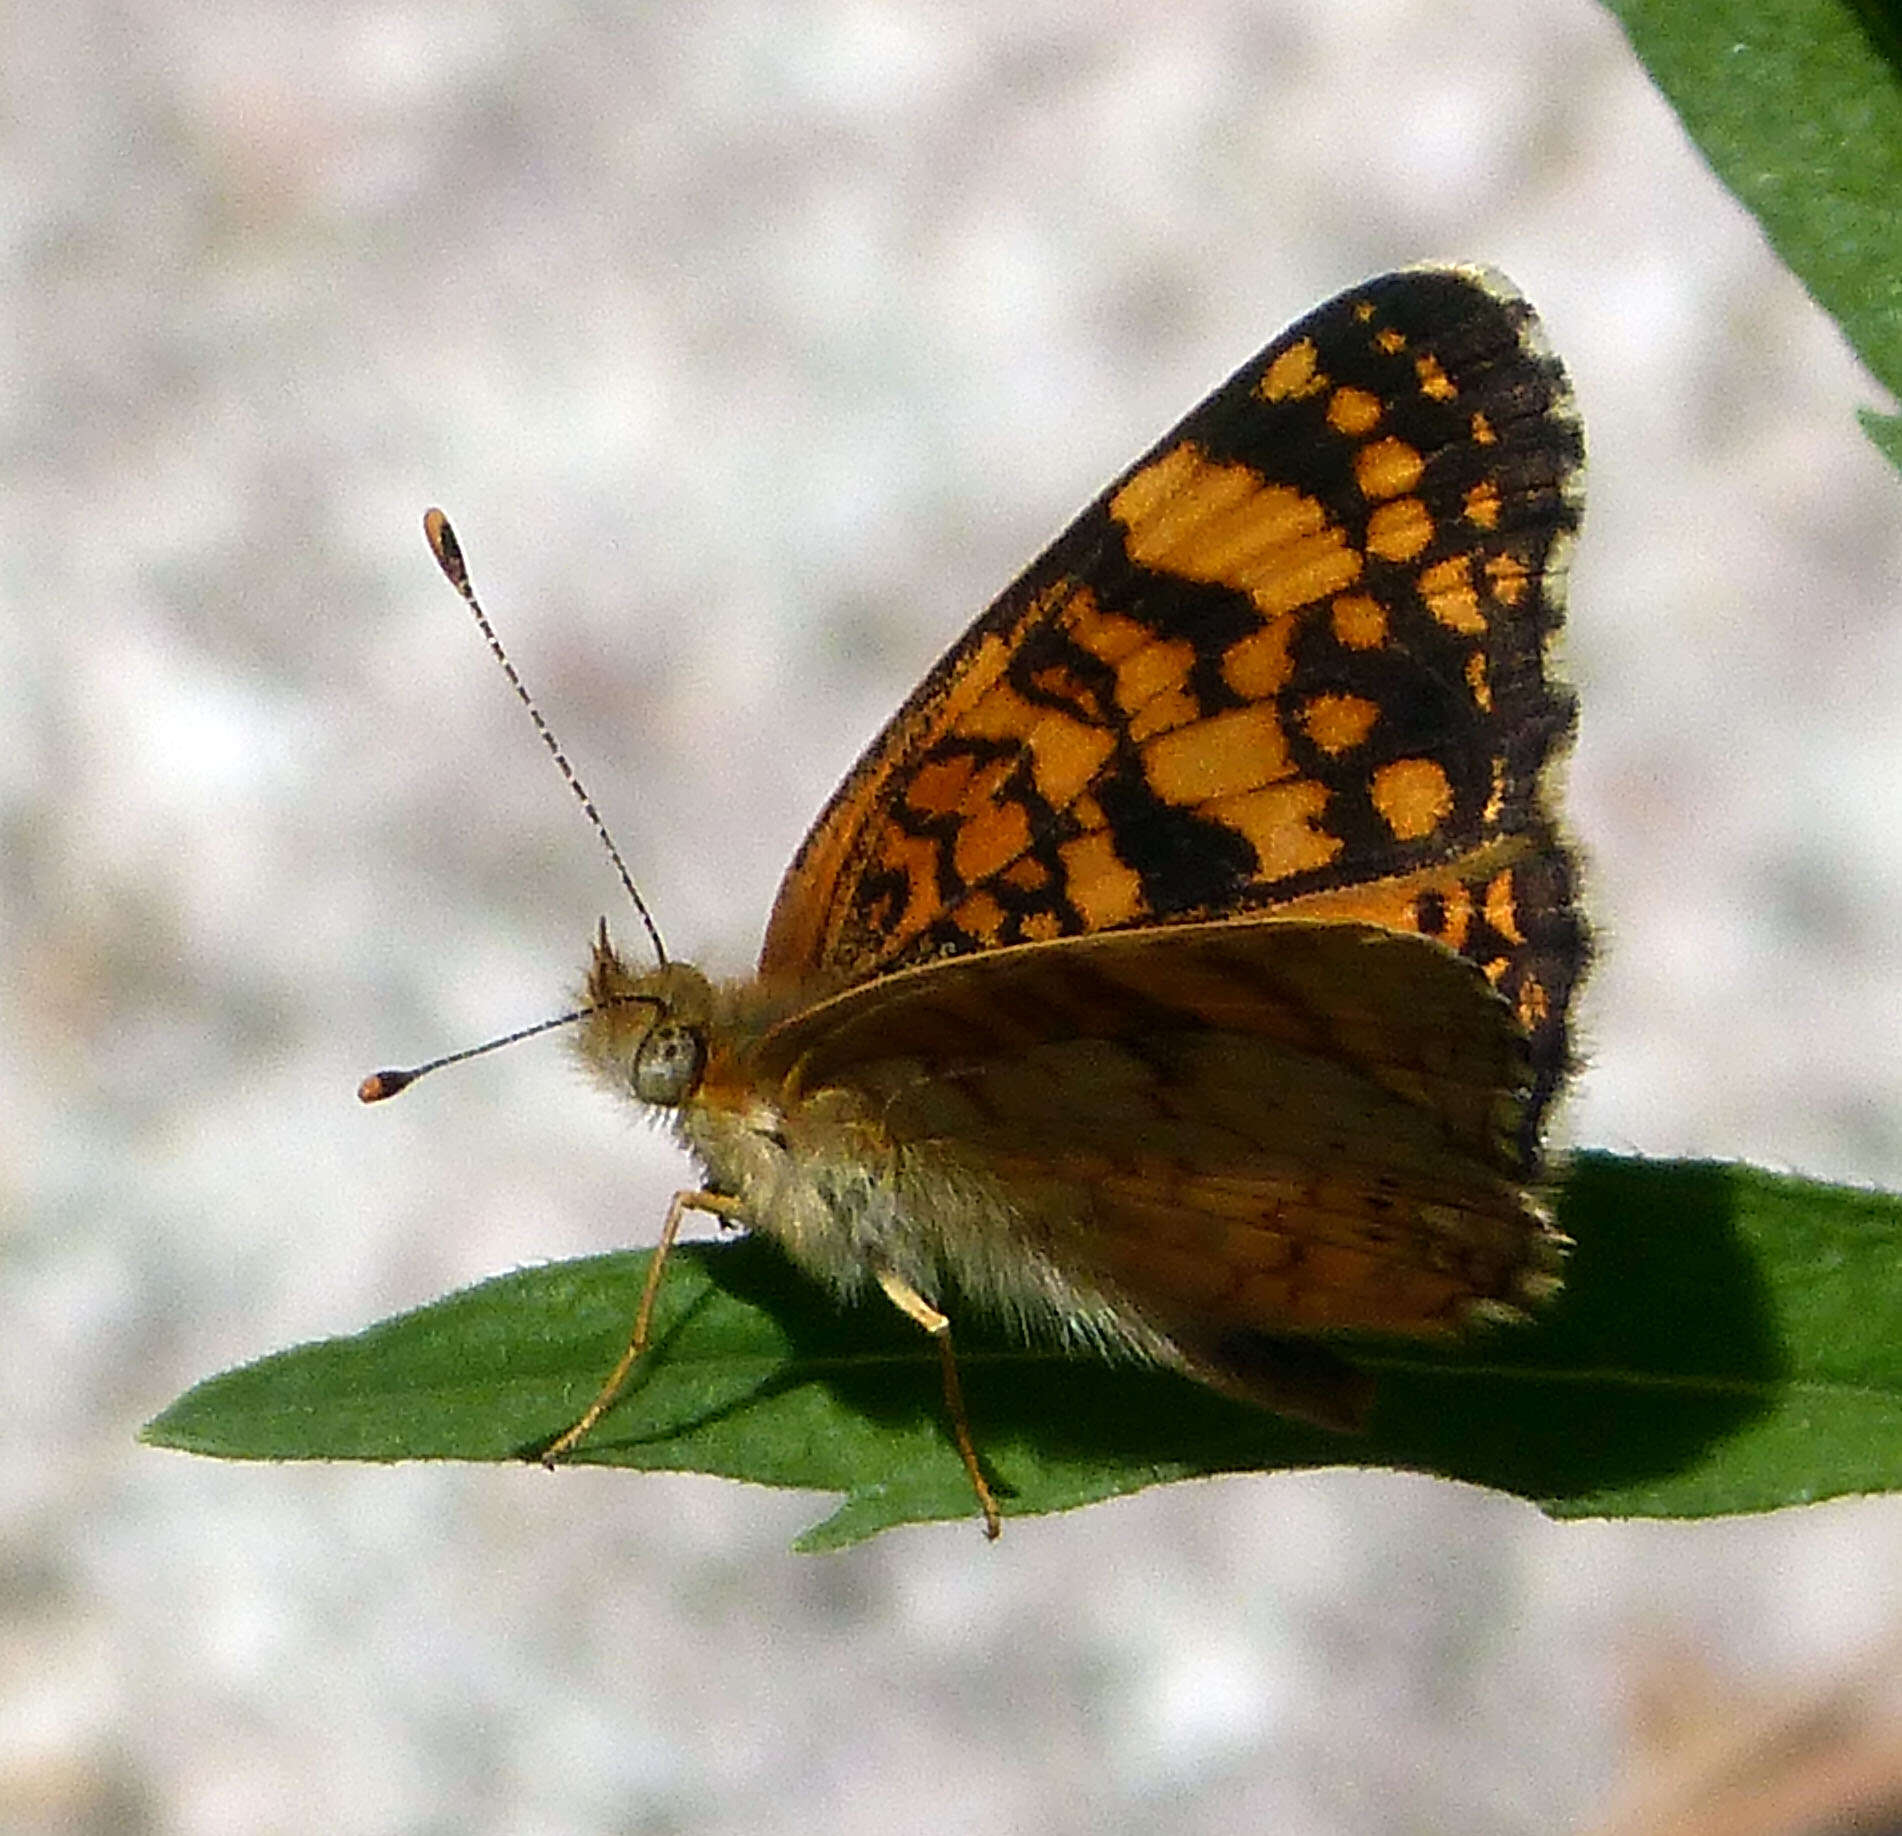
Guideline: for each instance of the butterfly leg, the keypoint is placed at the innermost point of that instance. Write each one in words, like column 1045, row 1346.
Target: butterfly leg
column 723, row 1208
column 914, row 1306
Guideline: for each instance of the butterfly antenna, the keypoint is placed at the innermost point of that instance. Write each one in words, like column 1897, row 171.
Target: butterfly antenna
column 381, row 1084
column 448, row 552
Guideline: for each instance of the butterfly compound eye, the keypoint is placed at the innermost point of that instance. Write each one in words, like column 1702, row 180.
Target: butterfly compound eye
column 667, row 1064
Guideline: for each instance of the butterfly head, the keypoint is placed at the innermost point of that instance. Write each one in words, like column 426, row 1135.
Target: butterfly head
column 645, row 1030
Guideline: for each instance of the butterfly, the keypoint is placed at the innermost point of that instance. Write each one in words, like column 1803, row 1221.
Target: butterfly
column 1183, row 972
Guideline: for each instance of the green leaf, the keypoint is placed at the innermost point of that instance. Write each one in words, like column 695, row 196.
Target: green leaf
column 1797, row 104
column 1728, row 1340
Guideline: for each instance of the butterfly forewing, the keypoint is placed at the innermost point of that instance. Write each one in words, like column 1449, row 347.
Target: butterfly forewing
column 1294, row 659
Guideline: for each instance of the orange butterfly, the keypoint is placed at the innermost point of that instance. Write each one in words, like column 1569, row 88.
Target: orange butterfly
column 1184, row 970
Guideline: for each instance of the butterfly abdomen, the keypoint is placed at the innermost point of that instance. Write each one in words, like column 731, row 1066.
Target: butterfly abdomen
column 848, row 1200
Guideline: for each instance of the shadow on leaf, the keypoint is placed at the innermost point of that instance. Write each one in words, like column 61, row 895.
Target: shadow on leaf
column 1660, row 1345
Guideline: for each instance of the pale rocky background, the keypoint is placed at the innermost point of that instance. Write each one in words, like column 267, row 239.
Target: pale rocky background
column 753, row 348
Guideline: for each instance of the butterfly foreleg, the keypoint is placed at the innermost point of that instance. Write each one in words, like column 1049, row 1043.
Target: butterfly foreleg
column 914, row 1306
column 727, row 1210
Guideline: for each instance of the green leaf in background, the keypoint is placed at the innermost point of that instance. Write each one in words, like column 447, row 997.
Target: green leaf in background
column 1728, row 1340
column 1797, row 104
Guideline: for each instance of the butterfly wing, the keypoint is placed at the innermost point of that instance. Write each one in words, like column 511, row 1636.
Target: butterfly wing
column 1212, row 1130
column 1292, row 661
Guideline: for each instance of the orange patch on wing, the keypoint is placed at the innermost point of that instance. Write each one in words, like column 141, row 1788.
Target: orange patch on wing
column 1360, row 623
column 989, row 841
column 916, row 860
column 1173, row 500
column 1353, row 412
column 1157, row 668
column 1279, row 823
column 1236, row 750
column 1534, row 1006
column 1506, row 575
column 1477, row 683
column 1337, row 723
column 1201, row 519
column 1108, row 635
column 1435, row 384
column 1447, row 586
column 1259, row 665
column 1393, row 903
column 1482, row 505
column 1104, row 891
column 1387, row 468
column 1400, row 530
column 1322, row 567
column 1065, row 755
column 1294, row 375
column 1456, row 917
column 1164, row 714
column 1496, row 797
column 1065, row 752
column 1000, row 713
column 980, row 917
column 1502, row 911
column 940, row 786
column 1413, row 796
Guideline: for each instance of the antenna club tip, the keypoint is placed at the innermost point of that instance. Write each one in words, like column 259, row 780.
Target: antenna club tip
column 447, row 550
column 381, row 1084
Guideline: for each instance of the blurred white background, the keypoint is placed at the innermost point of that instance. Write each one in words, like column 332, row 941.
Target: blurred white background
column 753, row 348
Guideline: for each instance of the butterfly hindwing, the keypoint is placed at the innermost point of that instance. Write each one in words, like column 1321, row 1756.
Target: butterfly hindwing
column 1262, row 1126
